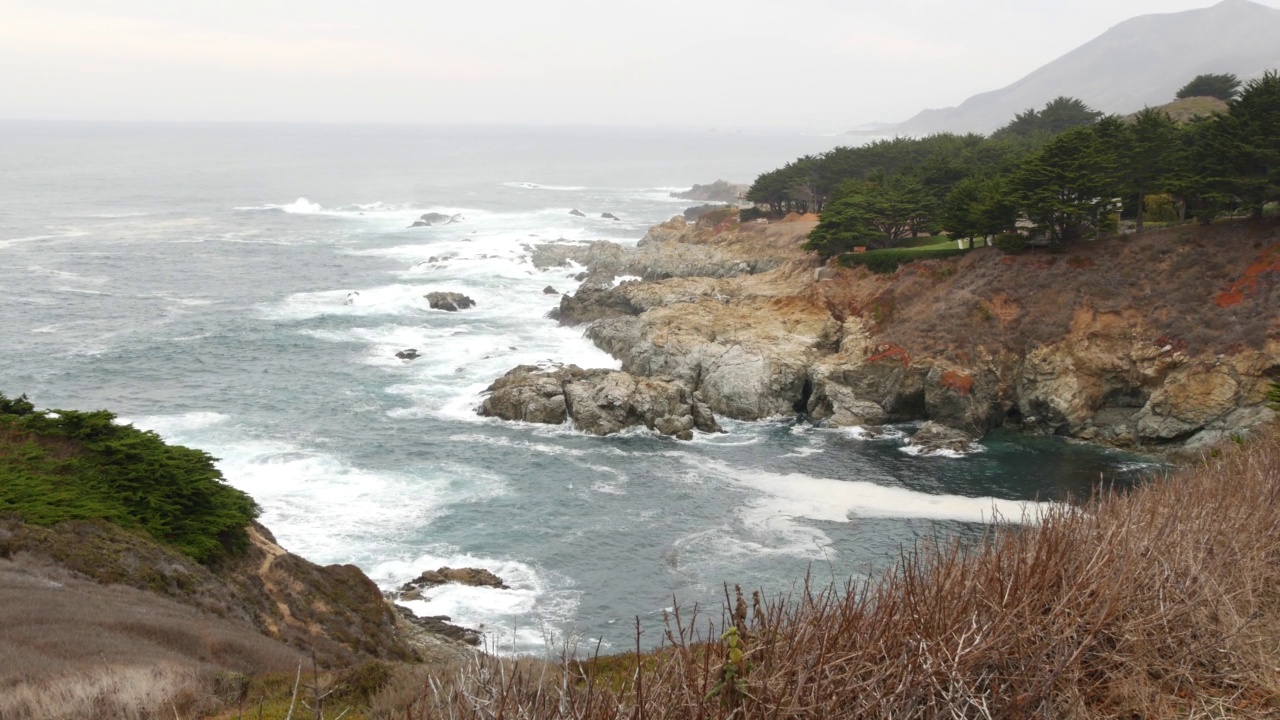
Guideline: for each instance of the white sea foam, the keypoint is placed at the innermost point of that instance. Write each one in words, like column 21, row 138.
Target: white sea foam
column 302, row 206
column 319, row 505
column 537, row 186
column 518, row 619
column 775, row 517
column 920, row 451
column 9, row 242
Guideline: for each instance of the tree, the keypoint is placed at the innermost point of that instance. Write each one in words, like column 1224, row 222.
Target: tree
column 1149, row 155
column 876, row 214
column 1224, row 87
column 1058, row 116
column 1070, row 186
column 846, row 223
column 1252, row 142
column 979, row 207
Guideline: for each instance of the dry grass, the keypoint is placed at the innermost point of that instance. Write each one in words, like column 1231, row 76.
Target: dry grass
column 71, row 648
column 1170, row 280
column 1161, row 603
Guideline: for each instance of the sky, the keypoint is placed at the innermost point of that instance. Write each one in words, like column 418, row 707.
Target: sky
column 802, row 64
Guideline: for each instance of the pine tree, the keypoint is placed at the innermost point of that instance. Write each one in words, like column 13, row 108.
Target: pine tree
column 1070, row 186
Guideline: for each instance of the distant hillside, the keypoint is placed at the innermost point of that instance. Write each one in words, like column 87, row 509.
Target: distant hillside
column 1140, row 62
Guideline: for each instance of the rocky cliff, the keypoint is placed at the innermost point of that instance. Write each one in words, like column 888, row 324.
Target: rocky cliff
column 1159, row 341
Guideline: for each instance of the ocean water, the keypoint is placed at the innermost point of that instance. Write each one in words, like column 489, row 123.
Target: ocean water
column 244, row 289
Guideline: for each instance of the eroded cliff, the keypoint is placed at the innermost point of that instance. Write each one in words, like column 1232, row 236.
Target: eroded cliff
column 1160, row 340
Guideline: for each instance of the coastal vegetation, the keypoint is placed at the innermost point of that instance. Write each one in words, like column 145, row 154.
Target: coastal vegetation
column 69, row 465
column 1057, row 175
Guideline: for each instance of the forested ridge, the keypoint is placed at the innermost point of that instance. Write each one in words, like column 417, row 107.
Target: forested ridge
column 1054, row 175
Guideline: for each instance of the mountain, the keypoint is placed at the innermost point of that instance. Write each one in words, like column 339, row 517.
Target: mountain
column 1142, row 61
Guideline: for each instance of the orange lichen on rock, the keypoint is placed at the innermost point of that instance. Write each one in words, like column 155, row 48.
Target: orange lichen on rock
column 959, row 382
column 890, row 351
column 1248, row 283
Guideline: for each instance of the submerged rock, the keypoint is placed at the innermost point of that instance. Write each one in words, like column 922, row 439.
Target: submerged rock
column 449, row 301
column 410, row 354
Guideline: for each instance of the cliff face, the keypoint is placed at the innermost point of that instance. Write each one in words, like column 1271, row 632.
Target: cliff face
column 1167, row 339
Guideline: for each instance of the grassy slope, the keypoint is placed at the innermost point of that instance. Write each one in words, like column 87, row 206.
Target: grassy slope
column 83, row 466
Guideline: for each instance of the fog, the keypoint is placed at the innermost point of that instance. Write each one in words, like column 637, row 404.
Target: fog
column 813, row 64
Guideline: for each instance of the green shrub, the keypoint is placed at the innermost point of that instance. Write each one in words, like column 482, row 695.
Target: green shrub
column 70, row 465
column 1010, row 243
column 888, row 261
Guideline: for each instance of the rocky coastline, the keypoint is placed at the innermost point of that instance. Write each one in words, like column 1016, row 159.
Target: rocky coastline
column 1157, row 342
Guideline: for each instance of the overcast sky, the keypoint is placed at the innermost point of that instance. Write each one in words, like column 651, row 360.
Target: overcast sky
column 816, row 64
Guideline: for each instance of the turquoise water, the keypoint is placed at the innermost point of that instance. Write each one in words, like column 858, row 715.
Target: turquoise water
column 195, row 280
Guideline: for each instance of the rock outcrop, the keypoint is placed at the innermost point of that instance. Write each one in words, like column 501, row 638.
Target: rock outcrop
column 473, row 577
column 432, row 219
column 600, row 402
column 1164, row 340
column 449, row 301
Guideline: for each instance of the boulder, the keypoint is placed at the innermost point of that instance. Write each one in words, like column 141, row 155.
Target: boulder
column 577, row 213
column 609, row 216
column 449, row 301
column 935, row 437
column 600, row 402
column 528, row 393
column 410, row 354
column 548, row 290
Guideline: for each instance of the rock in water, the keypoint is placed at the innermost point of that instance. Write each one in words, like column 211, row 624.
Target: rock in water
column 433, row 218
column 601, row 402
column 475, row 577
column 609, row 216
column 933, row 437
column 449, row 301
column 577, row 213
column 527, row 394
column 548, row 290
column 410, row 354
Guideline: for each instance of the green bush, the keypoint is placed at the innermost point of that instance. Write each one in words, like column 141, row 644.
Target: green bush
column 888, row 261
column 1010, row 243
column 69, row 465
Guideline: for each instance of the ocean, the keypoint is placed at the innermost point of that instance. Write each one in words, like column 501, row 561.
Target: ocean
column 243, row 289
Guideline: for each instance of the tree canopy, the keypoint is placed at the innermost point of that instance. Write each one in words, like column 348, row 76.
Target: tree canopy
column 1224, row 87
column 1065, row 172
